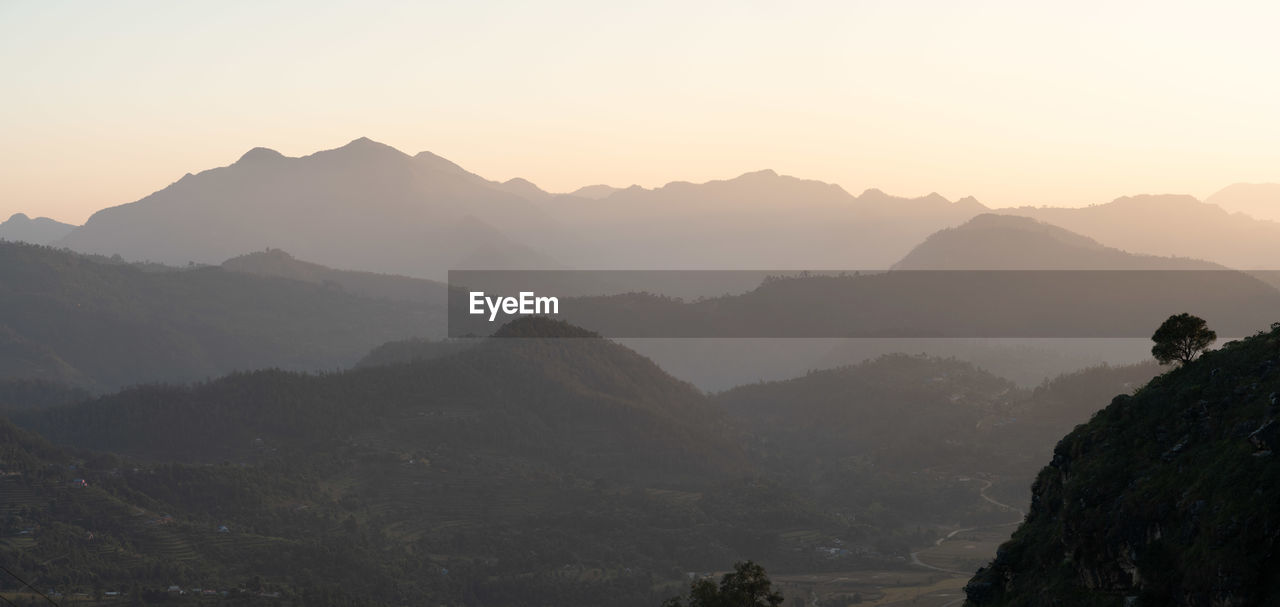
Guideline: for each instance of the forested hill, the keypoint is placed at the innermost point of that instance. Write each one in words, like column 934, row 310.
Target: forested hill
column 69, row 318
column 1166, row 497
column 544, row 466
column 583, row 404
column 521, row 471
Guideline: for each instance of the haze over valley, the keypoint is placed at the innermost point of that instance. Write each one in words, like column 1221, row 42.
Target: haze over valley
column 567, row 304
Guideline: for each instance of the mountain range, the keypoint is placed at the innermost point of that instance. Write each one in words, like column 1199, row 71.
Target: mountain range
column 50, row 290
column 70, row 318
column 1008, row 242
column 367, row 206
column 363, row 206
column 1260, row 200
column 41, row 230
column 186, row 403
column 280, row 264
column 1171, row 225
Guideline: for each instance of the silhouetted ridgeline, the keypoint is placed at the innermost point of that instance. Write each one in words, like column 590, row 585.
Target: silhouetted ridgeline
column 71, row 319
column 364, row 205
column 41, row 230
column 1175, row 225
column 368, row 206
column 1166, row 497
column 280, row 264
column 1009, row 242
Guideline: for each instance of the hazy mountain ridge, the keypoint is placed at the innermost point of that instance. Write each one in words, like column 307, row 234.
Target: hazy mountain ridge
column 278, row 263
column 1170, row 226
column 1258, row 200
column 1008, row 242
column 364, row 206
column 367, row 206
column 41, row 230
column 759, row 220
column 108, row 325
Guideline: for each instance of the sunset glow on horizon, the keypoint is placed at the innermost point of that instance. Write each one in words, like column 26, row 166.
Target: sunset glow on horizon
column 1013, row 103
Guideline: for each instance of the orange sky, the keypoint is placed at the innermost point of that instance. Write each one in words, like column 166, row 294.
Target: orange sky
column 1012, row 102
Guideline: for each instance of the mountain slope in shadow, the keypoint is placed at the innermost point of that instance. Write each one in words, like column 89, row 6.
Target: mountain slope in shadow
column 1165, row 497
column 106, row 325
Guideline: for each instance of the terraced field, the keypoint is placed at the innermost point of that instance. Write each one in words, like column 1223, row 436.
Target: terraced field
column 15, row 496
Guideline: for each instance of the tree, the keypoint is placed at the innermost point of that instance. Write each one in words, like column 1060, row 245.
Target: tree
column 1181, row 338
column 747, row 586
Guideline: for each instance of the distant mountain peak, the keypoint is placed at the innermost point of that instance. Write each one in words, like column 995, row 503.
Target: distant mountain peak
column 763, row 173
column 257, row 155
column 439, row 162
column 367, row 148
column 594, row 192
column 993, row 241
column 1158, row 201
column 1258, row 200
column 39, row 230
column 523, row 188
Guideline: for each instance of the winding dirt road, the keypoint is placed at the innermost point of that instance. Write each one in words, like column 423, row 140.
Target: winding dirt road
column 986, row 484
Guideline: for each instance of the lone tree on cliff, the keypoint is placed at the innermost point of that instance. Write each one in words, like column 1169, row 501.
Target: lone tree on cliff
column 1181, row 338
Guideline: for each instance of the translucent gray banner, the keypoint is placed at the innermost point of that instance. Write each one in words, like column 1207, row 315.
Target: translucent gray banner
column 910, row 303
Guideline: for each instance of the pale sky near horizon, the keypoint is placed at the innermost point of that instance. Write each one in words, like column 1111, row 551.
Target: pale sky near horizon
column 1013, row 102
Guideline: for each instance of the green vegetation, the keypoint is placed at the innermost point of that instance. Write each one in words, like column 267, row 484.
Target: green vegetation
column 19, row 394
column 746, row 586
column 1166, row 497
column 546, row 466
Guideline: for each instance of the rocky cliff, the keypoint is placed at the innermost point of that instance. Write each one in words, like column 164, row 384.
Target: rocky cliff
column 1169, row 496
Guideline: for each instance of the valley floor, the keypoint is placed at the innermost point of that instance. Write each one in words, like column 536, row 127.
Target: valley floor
column 936, row 578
